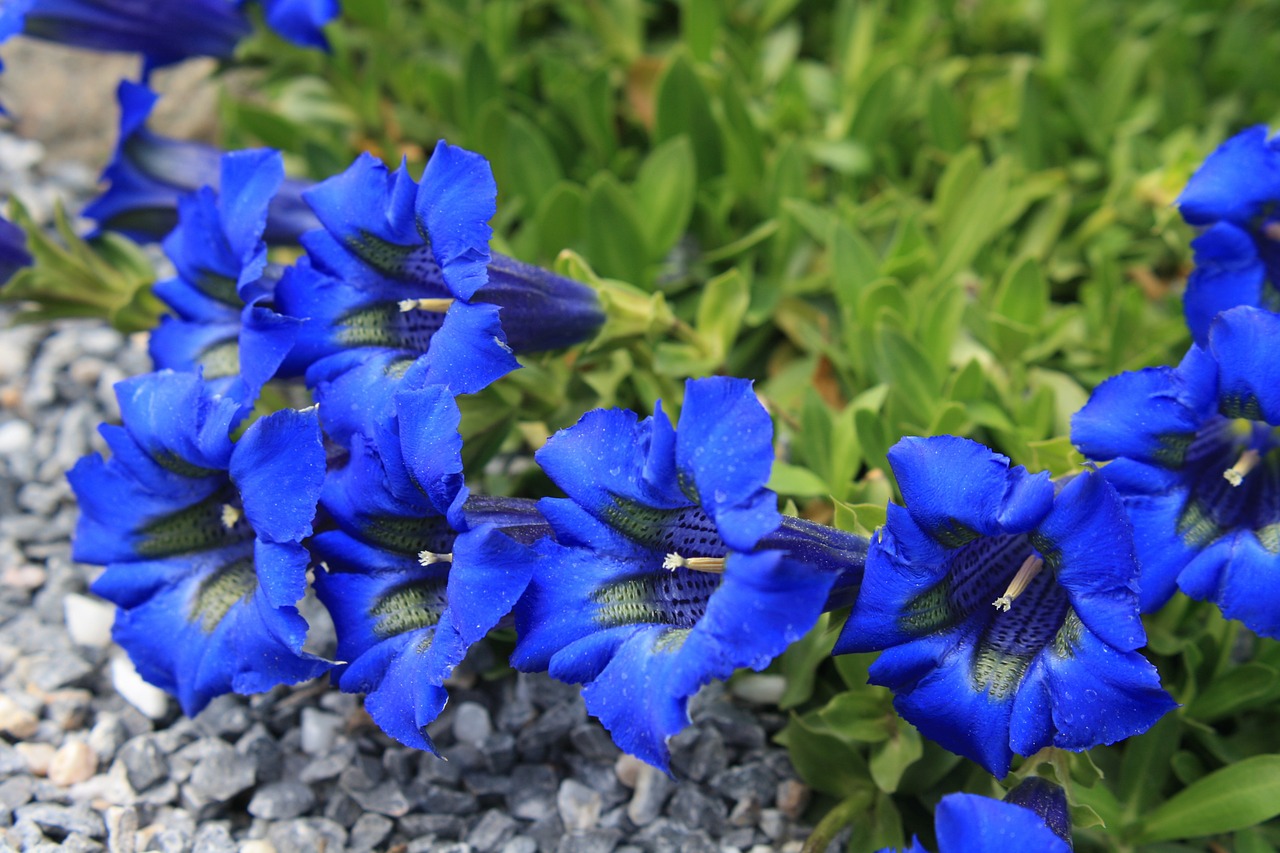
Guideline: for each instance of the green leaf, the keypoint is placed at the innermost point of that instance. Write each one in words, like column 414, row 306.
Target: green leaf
column 700, row 23
column 788, row 479
column 890, row 759
column 1231, row 691
column 1234, row 797
column 720, row 311
column 910, row 376
column 683, row 107
column 615, row 238
column 825, row 762
column 800, row 662
column 559, row 218
column 664, row 191
column 530, row 166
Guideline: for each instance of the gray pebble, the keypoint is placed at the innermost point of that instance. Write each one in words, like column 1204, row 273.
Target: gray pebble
column 385, row 799
column 653, row 789
column 590, row 841
column 282, row 800
column 223, row 774
column 438, row 825
column 369, row 832
column 319, row 730
column 579, row 806
column 63, row 819
column 471, row 723
column 306, row 836
column 491, row 831
column 143, row 762
column 214, row 838
column 520, row 844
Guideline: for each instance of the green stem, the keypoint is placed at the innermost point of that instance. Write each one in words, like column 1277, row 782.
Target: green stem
column 835, row 820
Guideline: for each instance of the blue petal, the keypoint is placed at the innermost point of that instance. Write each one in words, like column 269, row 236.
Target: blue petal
column 954, row 487
column 610, row 454
column 173, row 415
column 1228, row 273
column 457, row 199
column 724, row 452
column 490, row 572
column 1235, row 182
column 194, row 347
column 265, row 340
column 935, row 693
column 559, row 608
column 1094, row 559
column 1243, row 342
column 1100, row 695
column 278, row 466
column 250, row 648
column 300, row 21
column 368, row 212
column 1239, row 575
column 968, row 823
column 282, row 571
column 355, row 390
column 1142, row 415
column 892, row 579
column 432, row 447
column 469, row 352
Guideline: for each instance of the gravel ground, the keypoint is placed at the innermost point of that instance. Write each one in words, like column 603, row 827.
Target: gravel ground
column 301, row 769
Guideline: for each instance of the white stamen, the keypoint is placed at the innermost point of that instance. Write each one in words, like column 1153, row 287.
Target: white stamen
column 437, row 305
column 427, row 558
column 1026, row 574
column 713, row 565
column 1247, row 462
column 230, row 515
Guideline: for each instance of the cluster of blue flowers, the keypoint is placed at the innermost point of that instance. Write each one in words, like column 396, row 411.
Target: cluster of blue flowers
column 1005, row 605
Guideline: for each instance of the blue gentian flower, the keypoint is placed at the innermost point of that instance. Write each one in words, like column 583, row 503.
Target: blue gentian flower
column 1196, row 461
column 413, row 573
column 400, row 269
column 1006, row 607
column 201, row 537
column 300, row 21
column 1233, row 195
column 150, row 173
column 221, row 324
column 13, row 250
column 671, row 565
column 164, row 33
column 968, row 823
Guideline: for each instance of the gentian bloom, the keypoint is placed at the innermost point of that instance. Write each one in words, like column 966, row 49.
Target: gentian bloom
column 1234, row 195
column 1030, row 819
column 400, row 269
column 1006, row 607
column 163, row 32
column 201, row 537
column 671, row 565
column 223, row 277
column 13, row 250
column 1196, row 461
column 150, row 173
column 413, row 573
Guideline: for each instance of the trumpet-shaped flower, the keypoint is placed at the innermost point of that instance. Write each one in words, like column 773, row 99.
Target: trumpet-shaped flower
column 163, row 32
column 1006, row 607
column 1237, row 258
column 1196, row 461
column 400, row 270
column 414, row 575
column 221, row 325
column 1033, row 818
column 149, row 174
column 201, row 537
column 671, row 565
column 13, row 250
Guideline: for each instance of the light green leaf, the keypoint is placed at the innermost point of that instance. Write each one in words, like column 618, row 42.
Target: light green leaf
column 1235, row 797
column 664, row 191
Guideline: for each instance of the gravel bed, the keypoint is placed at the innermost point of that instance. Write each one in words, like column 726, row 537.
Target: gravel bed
column 82, row 768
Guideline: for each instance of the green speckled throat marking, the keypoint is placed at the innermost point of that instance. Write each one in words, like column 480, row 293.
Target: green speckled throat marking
column 677, row 598
column 173, row 462
column 1240, row 406
column 407, row 263
column 953, row 534
column 1196, row 526
column 1067, row 639
column 221, row 591
column 1269, row 537
column 221, row 360
column 687, row 531
column 670, row 641
column 218, row 287
column 999, row 674
column 930, row 611
column 409, row 535
column 409, row 607
column 1172, row 449
column 198, row 527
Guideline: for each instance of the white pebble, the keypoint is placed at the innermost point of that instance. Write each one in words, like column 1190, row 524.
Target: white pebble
column 88, row 620
column 15, row 437
column 147, row 698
